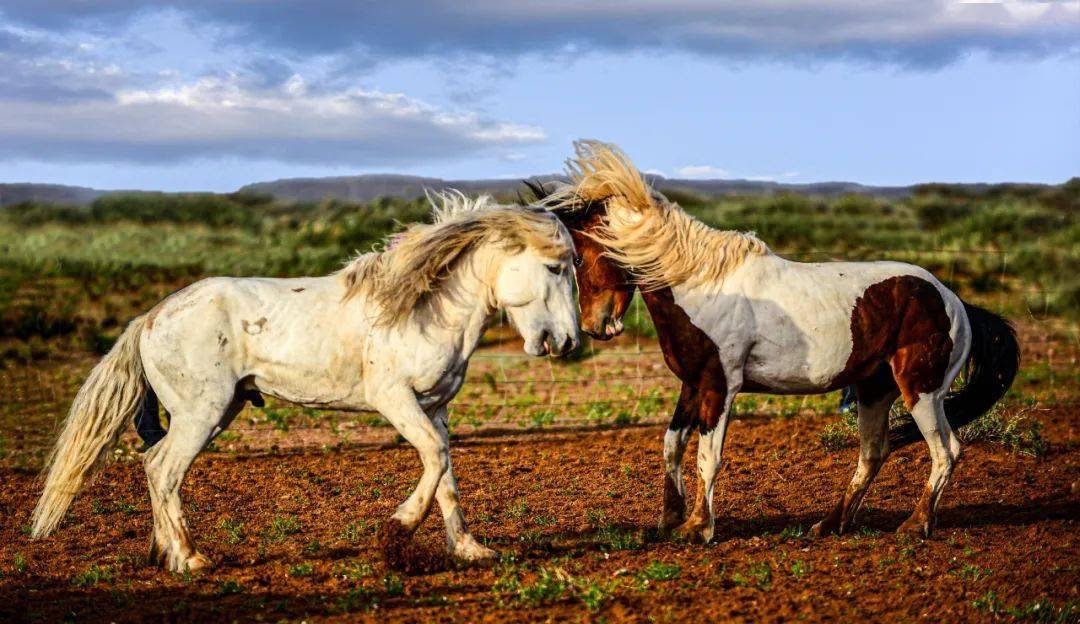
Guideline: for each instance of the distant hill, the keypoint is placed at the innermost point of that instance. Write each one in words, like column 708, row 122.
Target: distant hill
column 47, row 193
column 363, row 188
column 367, row 187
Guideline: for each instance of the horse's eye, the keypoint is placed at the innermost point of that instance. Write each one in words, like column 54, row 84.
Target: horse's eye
column 555, row 269
column 577, row 261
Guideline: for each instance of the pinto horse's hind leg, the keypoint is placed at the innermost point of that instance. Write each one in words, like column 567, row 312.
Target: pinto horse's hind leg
column 929, row 415
column 675, row 439
column 875, row 395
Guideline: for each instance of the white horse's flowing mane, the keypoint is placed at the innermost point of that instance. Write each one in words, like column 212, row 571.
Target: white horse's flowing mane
column 649, row 235
column 413, row 264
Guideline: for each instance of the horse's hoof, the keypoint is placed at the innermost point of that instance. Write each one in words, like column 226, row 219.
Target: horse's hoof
column 693, row 532
column 913, row 528
column 471, row 551
column 197, row 562
column 825, row 528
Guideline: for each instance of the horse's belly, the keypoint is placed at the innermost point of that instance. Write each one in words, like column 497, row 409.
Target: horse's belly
column 805, row 362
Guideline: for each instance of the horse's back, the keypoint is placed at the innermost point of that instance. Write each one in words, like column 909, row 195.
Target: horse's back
column 793, row 326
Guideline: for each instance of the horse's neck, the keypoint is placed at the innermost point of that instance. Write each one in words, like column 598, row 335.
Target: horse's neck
column 462, row 306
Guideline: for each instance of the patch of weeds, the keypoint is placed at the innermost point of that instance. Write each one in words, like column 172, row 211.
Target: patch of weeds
column 353, row 600
column 971, row 572
column 988, row 602
column 92, row 576
column 841, row 434
column 393, row 585
column 278, row 418
column 800, row 568
column 867, row 532
column 592, row 594
column 301, row 570
column 615, row 538
column 599, row 413
column 353, row 532
column 313, row 547
column 625, row 417
column 230, row 587
column 758, row 575
column 542, row 419
column 234, row 531
column 1017, row 432
column 595, row 517
column 18, row 563
column 660, row 571
column 355, row 571
column 282, row 527
column 793, row 532
column 517, row 509
column 549, row 586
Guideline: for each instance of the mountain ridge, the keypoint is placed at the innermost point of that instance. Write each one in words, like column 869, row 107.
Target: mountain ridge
column 366, row 187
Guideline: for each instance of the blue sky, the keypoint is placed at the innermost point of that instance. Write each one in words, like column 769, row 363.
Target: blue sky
column 213, row 95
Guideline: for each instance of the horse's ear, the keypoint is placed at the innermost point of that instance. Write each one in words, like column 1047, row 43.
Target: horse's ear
column 536, row 187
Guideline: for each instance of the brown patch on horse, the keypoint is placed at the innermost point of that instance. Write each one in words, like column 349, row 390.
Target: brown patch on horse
column 690, row 354
column 254, row 327
column 902, row 321
column 674, row 503
column 298, row 290
column 151, row 316
column 597, row 276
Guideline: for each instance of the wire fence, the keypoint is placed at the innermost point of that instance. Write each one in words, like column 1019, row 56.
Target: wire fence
column 619, row 385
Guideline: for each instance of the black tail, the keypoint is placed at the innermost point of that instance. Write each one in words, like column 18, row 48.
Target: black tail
column 992, row 365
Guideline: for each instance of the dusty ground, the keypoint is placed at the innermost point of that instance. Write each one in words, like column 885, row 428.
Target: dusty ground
column 559, row 468
column 572, row 512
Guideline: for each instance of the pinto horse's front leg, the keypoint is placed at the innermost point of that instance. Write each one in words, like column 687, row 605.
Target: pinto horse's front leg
column 675, row 439
column 714, row 407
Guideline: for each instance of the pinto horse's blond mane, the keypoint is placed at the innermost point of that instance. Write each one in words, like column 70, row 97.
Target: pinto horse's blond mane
column 649, row 235
column 413, row 264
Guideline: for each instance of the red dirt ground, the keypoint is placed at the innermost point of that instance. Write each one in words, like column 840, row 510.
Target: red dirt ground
column 573, row 514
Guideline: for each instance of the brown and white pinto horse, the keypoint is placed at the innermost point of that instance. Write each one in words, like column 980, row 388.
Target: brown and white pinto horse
column 733, row 317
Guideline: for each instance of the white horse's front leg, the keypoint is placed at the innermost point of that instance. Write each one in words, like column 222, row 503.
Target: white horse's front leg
column 459, row 541
column 400, row 407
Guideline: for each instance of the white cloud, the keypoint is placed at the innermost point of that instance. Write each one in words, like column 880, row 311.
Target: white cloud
column 702, row 171
column 225, row 116
column 915, row 33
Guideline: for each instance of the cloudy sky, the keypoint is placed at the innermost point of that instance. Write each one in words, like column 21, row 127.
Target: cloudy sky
column 210, row 95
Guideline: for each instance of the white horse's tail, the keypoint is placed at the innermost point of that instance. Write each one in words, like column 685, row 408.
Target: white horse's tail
column 106, row 402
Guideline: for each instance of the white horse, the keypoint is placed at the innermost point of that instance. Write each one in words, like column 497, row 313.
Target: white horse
column 392, row 331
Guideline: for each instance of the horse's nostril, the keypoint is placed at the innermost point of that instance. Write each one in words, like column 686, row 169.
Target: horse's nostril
column 567, row 345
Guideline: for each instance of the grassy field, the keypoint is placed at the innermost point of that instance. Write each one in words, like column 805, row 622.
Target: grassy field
column 559, row 459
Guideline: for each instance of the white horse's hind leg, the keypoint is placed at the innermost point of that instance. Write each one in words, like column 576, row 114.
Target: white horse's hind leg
column 166, row 465
column 929, row 415
column 459, row 541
